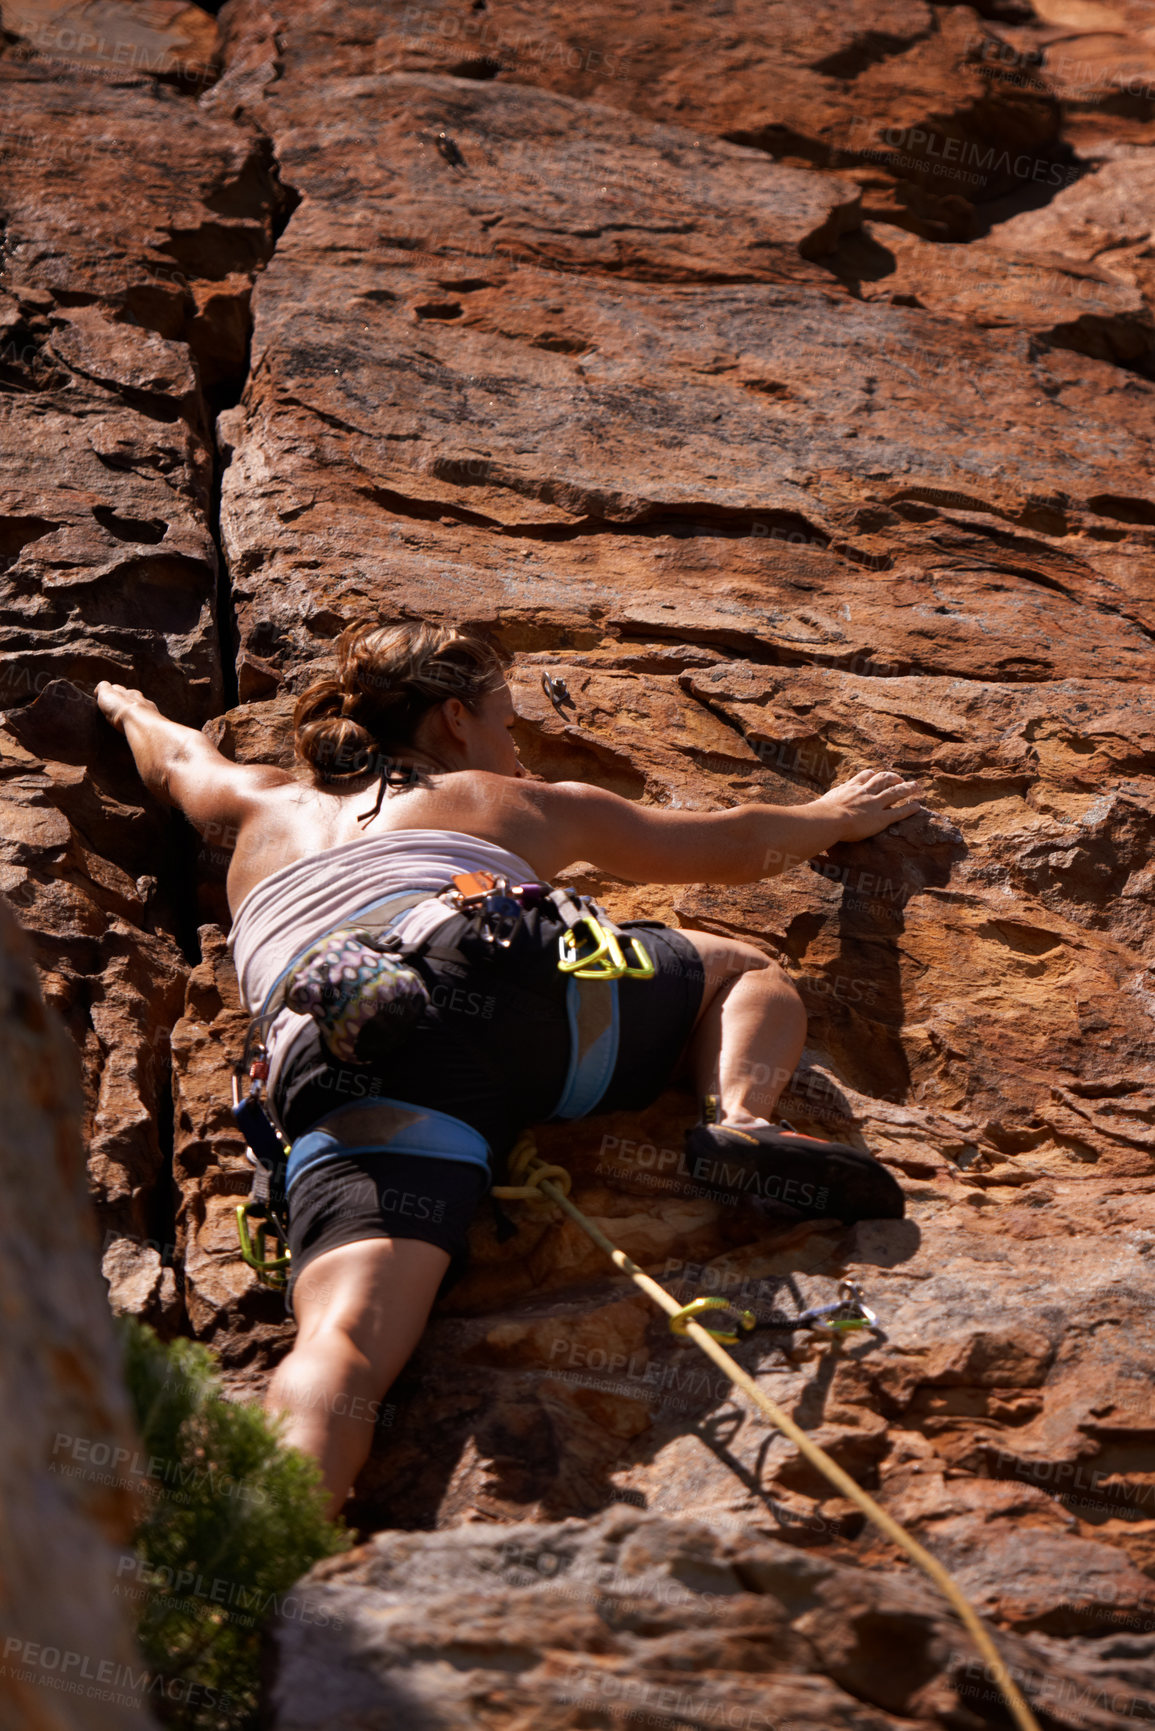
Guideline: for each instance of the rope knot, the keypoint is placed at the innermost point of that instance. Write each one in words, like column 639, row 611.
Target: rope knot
column 529, row 1172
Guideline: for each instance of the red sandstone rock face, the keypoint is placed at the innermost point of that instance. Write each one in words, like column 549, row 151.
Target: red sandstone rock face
column 133, row 225
column 783, row 378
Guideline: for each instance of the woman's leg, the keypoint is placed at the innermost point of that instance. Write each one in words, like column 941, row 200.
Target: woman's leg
column 360, row 1312
column 750, row 1030
column 745, row 1045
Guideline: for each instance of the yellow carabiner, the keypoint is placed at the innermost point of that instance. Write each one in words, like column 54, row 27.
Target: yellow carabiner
column 616, row 966
column 692, row 1311
column 590, row 967
column 645, row 965
column 606, row 961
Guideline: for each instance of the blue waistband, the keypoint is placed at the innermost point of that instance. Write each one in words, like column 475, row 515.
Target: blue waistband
column 383, row 1126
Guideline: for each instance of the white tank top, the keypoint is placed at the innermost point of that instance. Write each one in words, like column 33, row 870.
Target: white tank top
column 293, row 907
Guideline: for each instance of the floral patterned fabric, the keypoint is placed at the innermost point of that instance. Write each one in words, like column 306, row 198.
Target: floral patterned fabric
column 362, row 998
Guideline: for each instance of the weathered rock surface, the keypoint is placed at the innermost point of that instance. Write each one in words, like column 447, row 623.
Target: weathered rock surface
column 166, row 40
column 1106, row 220
column 133, row 226
column 783, row 378
column 904, row 93
column 663, row 1620
column 64, row 1517
column 1070, row 302
column 1095, row 56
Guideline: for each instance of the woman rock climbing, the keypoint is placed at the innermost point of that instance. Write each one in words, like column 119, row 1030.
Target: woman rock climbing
column 411, row 797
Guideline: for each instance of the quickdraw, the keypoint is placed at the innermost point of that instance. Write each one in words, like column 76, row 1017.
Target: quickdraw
column 845, row 1316
column 269, row 1269
column 699, row 1306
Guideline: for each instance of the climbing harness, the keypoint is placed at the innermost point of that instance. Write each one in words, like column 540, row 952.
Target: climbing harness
column 358, row 983
column 536, row 1181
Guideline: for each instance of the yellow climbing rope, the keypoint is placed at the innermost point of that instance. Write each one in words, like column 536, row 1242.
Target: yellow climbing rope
column 535, row 1180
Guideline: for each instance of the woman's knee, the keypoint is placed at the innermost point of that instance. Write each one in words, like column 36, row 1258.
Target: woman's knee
column 778, row 982
column 329, row 1296
column 725, row 959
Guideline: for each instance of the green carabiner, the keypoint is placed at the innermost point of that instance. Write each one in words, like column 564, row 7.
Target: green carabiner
column 270, row 1269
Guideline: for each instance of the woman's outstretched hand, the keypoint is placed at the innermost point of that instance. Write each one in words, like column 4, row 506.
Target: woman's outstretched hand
column 870, row 801
column 116, row 700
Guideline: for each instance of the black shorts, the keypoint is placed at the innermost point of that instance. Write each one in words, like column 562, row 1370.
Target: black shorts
column 382, row 1196
column 493, row 1049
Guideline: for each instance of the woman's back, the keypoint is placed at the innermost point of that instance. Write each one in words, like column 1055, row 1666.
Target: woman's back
column 289, row 820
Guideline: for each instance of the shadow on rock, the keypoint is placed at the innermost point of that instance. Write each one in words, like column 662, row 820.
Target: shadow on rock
column 879, row 878
column 561, row 1403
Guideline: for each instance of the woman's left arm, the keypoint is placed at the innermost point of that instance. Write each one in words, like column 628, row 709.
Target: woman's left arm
column 179, row 765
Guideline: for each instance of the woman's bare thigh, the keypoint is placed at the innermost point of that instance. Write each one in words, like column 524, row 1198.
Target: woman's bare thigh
column 378, row 1291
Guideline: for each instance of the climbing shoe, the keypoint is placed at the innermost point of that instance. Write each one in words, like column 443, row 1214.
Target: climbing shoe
column 773, row 1164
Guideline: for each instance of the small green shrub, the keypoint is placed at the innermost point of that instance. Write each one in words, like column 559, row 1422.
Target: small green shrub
column 235, row 1519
